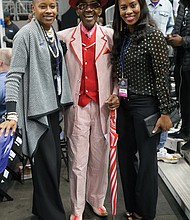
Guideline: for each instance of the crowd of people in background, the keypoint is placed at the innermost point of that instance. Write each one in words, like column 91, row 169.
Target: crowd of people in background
column 83, row 72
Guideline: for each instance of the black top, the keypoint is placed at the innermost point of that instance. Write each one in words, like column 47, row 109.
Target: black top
column 182, row 53
column 146, row 66
column 10, row 31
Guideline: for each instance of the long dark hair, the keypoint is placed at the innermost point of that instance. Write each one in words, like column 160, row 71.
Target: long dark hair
column 119, row 34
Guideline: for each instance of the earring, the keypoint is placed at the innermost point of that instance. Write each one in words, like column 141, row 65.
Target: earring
column 121, row 26
column 78, row 20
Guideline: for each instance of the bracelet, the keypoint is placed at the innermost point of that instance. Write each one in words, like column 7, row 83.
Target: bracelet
column 3, row 118
column 11, row 113
column 11, row 116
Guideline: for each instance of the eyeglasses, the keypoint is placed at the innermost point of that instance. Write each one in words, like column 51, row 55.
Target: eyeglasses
column 84, row 6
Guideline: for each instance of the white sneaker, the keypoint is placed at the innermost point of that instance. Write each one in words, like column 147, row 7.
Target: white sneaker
column 162, row 155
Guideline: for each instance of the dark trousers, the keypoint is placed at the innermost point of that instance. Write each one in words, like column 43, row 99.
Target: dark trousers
column 138, row 173
column 46, row 167
column 182, row 81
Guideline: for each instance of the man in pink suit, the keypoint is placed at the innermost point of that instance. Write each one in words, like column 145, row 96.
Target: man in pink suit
column 94, row 92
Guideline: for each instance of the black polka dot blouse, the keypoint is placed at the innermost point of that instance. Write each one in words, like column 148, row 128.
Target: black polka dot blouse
column 146, row 66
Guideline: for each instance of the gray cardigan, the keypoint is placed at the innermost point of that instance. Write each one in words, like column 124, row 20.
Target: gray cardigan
column 30, row 84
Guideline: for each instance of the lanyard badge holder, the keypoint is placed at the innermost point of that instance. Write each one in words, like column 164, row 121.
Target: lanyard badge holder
column 123, row 86
column 123, row 82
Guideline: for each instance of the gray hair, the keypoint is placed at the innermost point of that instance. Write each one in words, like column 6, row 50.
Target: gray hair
column 5, row 55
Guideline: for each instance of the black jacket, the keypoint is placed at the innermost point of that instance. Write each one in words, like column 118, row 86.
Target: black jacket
column 186, row 39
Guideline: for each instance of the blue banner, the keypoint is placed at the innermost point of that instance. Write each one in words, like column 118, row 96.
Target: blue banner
column 2, row 22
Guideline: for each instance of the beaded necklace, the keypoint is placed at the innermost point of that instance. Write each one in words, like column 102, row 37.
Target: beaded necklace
column 54, row 50
column 52, row 43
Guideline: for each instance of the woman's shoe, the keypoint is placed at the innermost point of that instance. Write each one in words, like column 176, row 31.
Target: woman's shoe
column 129, row 216
column 136, row 216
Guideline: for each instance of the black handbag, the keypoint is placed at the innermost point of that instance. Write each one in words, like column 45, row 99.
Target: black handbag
column 151, row 120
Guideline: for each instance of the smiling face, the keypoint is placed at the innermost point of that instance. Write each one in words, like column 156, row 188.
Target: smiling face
column 89, row 11
column 45, row 12
column 130, row 12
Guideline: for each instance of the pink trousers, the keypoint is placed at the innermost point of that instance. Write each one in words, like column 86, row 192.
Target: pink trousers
column 88, row 160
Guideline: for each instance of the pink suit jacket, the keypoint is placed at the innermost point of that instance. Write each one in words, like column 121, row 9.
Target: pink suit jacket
column 107, row 82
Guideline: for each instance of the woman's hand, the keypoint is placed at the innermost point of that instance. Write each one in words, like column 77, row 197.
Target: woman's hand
column 164, row 122
column 6, row 126
column 113, row 102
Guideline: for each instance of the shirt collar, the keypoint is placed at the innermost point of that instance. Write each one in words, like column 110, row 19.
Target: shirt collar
column 151, row 3
column 3, row 72
column 88, row 33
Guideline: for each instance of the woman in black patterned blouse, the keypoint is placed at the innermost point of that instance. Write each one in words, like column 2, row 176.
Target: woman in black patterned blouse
column 140, row 59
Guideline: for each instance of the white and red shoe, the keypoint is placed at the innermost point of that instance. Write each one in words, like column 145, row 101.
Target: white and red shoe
column 75, row 217
column 100, row 211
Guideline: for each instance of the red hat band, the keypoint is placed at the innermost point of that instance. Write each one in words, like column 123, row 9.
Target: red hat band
column 73, row 3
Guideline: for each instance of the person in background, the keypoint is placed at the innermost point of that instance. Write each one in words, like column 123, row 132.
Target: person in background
column 90, row 74
column 10, row 29
column 30, row 16
column 100, row 21
column 37, row 87
column 179, row 39
column 161, row 12
column 175, row 7
column 5, row 60
column 140, row 59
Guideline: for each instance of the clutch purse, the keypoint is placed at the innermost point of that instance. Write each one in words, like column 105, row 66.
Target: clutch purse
column 151, row 120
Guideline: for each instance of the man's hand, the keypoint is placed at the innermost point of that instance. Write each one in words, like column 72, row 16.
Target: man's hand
column 174, row 40
column 113, row 102
column 6, row 39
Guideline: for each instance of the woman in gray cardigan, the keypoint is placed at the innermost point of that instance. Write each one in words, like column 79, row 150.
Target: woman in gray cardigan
column 36, row 88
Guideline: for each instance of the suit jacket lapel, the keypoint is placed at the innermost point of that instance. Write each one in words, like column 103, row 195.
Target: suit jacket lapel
column 101, row 39
column 76, row 43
